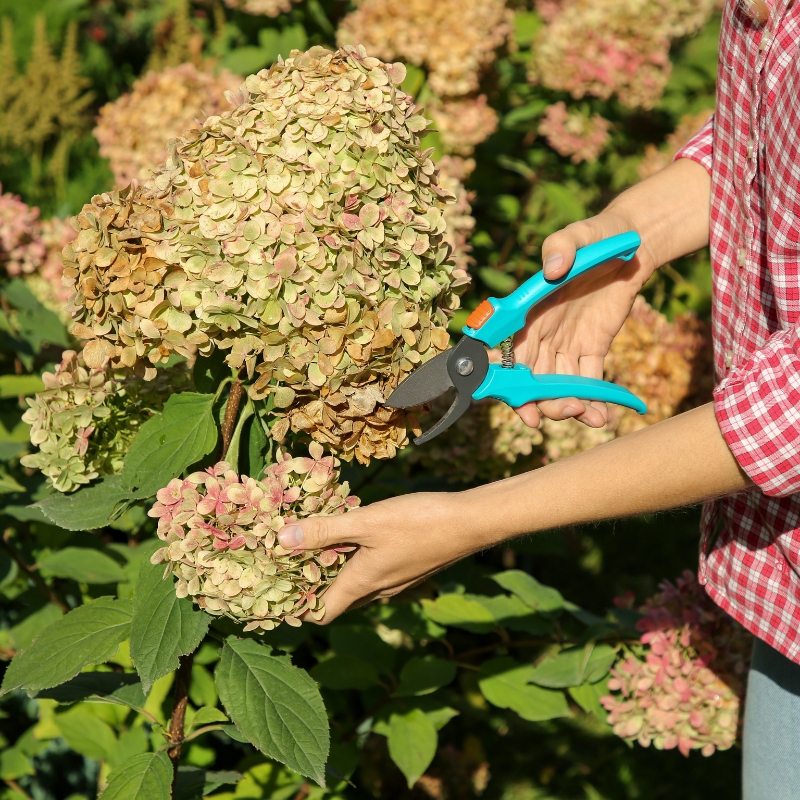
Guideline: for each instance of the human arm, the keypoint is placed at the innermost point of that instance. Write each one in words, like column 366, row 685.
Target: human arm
column 572, row 332
column 678, row 462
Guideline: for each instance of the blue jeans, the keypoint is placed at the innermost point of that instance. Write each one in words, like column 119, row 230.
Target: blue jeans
column 771, row 746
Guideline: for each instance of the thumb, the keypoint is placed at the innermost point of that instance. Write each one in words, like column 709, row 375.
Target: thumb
column 317, row 533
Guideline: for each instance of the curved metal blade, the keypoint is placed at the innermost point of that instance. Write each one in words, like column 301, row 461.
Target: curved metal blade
column 465, row 385
column 423, row 385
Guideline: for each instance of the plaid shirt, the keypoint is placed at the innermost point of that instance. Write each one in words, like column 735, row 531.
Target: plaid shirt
column 750, row 546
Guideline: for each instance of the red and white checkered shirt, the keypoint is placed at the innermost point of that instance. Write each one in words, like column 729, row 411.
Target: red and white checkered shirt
column 750, row 546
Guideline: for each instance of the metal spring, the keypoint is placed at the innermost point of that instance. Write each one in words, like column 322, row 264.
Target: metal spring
column 507, row 349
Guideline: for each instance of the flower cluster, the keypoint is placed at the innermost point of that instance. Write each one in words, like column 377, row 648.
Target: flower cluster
column 302, row 232
column 453, row 171
column 686, row 688
column 85, row 419
column 488, row 443
column 575, row 134
column 221, row 534
column 454, row 40
column 655, row 159
column 605, row 47
column 463, row 122
column 133, row 130
column 46, row 282
column 267, row 8
column 21, row 245
column 667, row 364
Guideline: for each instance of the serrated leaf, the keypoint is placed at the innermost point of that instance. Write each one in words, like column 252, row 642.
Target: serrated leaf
column 424, row 675
column 88, row 508
column 84, row 565
column 89, row 634
column 534, row 594
column 99, row 687
column 588, row 695
column 512, row 613
column 277, row 706
column 345, row 672
column 163, row 627
column 412, row 743
column 169, row 442
column 146, row 776
column 208, row 716
column 459, row 611
column 504, row 683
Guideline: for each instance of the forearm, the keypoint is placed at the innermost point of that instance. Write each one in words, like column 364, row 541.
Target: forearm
column 670, row 210
column 678, row 462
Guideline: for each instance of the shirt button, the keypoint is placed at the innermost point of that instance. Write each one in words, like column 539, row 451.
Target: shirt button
column 728, row 359
column 742, row 256
column 750, row 149
column 764, row 41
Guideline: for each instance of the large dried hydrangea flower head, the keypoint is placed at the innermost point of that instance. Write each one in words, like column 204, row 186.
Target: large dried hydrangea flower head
column 221, row 534
column 134, row 129
column 686, row 689
column 606, row 47
column 454, row 39
column 573, row 133
column 302, row 232
column 86, row 418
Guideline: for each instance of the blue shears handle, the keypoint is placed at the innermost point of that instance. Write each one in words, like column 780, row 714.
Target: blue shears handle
column 500, row 318
column 519, row 385
column 507, row 315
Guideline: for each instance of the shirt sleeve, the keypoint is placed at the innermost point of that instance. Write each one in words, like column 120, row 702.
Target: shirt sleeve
column 700, row 147
column 758, row 410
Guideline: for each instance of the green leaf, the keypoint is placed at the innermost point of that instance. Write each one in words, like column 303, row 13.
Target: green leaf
column 277, row 706
column 163, row 627
column 424, row 675
column 208, row 716
column 534, row 594
column 148, row 775
column 90, row 634
column 99, row 687
column 16, row 385
column 202, row 690
column 459, row 611
column 210, row 371
column 504, row 683
column 574, row 665
column 86, row 734
column 412, row 743
column 84, row 565
column 88, row 508
column 246, row 60
column 14, row 764
column 526, row 113
column 512, row 613
column 588, row 695
column 37, row 325
column 8, row 484
column 345, row 672
column 169, row 442
column 23, row 633
column 497, row 281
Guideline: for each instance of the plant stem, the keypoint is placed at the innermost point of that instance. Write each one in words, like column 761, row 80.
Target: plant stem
column 180, row 698
column 303, row 792
column 16, row 787
column 231, row 412
column 46, row 590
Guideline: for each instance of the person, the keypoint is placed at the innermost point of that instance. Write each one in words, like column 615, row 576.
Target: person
column 737, row 185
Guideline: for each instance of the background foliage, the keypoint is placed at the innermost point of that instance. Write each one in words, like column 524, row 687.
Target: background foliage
column 436, row 693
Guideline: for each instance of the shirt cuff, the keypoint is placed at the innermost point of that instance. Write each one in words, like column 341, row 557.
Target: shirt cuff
column 758, row 410
column 700, row 147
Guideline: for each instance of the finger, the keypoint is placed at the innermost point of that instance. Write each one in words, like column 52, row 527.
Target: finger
column 596, row 414
column 529, row 414
column 558, row 253
column 563, row 407
column 348, row 590
column 317, row 533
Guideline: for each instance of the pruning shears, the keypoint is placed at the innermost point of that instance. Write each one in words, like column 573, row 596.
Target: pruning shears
column 494, row 322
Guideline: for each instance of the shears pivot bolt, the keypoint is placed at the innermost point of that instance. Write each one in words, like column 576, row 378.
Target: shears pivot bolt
column 464, row 366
